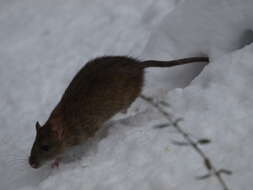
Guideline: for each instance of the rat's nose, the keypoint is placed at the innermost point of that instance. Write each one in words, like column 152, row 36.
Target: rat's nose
column 33, row 163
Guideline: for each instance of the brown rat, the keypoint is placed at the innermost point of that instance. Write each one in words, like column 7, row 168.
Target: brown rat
column 102, row 88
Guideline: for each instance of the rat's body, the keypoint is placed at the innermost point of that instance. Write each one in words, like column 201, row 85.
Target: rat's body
column 104, row 87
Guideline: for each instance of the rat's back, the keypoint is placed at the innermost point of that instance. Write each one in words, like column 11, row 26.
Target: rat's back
column 103, row 87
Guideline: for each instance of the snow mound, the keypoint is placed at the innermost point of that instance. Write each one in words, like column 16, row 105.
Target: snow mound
column 218, row 105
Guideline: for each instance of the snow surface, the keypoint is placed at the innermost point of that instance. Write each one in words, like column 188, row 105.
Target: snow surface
column 44, row 43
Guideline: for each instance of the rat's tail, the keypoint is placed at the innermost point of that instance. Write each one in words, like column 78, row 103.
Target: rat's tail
column 153, row 63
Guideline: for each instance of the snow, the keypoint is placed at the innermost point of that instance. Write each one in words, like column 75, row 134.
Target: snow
column 225, row 103
column 44, row 43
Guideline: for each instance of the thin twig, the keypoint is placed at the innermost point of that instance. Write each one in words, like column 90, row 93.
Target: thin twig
column 175, row 123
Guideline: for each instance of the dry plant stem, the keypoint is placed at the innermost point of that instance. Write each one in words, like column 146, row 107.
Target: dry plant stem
column 209, row 165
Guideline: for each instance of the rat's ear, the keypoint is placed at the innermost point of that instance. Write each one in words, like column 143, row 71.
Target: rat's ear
column 37, row 126
column 58, row 131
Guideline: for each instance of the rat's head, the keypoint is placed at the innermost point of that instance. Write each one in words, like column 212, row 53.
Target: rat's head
column 47, row 145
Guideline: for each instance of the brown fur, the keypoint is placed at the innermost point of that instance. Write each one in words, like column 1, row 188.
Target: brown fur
column 102, row 88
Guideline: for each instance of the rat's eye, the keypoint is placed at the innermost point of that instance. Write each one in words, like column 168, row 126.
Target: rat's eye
column 45, row 148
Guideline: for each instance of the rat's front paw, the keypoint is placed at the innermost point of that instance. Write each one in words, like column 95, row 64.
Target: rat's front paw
column 56, row 163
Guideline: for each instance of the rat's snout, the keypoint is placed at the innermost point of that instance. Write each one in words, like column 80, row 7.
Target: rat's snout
column 33, row 162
